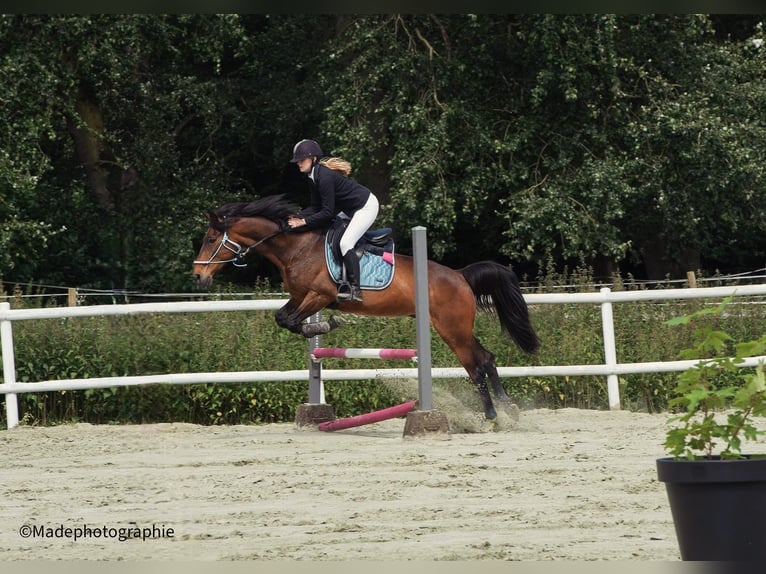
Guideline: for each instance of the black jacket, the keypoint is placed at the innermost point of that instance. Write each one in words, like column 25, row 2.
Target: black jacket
column 331, row 193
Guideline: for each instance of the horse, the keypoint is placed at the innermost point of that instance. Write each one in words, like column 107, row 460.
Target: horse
column 454, row 295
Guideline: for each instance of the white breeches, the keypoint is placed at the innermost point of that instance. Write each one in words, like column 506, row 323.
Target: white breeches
column 359, row 224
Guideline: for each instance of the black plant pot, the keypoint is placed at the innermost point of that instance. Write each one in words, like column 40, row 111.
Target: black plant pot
column 718, row 507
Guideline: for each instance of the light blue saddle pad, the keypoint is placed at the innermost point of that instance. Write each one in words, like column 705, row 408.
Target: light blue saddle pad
column 376, row 272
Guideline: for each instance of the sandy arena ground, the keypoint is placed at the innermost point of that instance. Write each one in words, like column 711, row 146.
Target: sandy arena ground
column 558, row 485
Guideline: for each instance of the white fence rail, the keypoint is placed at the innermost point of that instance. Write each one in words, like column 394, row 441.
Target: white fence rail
column 611, row 369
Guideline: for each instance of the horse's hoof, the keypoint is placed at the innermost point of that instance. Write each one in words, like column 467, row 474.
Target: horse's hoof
column 511, row 409
column 489, row 425
column 513, row 412
column 313, row 329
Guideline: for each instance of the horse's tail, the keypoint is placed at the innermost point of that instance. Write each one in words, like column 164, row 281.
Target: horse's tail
column 497, row 289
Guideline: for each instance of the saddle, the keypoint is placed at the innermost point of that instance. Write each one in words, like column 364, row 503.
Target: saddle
column 375, row 250
column 374, row 241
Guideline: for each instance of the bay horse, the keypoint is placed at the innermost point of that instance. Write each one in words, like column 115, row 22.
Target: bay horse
column 454, row 295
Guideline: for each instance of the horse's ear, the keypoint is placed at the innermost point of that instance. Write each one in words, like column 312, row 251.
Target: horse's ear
column 210, row 216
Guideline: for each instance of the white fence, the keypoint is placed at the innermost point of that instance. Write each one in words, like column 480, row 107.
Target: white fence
column 611, row 369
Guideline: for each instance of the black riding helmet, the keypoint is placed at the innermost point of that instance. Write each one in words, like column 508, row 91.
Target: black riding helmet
column 304, row 149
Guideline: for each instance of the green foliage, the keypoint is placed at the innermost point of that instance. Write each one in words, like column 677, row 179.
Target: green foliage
column 638, row 130
column 594, row 138
column 714, row 384
column 554, row 132
column 151, row 91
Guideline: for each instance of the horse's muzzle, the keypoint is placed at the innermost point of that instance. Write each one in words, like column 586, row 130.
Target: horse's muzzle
column 202, row 281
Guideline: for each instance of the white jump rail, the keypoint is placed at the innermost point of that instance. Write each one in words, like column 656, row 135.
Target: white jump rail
column 605, row 298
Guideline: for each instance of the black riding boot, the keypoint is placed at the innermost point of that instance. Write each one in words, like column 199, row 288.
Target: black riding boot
column 353, row 292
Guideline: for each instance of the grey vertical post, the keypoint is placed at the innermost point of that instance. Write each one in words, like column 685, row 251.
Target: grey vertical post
column 422, row 318
column 316, row 394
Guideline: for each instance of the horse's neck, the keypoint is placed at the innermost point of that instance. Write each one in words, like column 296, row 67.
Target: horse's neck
column 285, row 248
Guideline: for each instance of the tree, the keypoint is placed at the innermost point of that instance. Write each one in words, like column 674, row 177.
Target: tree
column 542, row 140
column 29, row 119
column 115, row 118
column 545, row 130
column 700, row 186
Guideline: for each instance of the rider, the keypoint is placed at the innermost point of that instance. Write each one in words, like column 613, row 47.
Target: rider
column 333, row 192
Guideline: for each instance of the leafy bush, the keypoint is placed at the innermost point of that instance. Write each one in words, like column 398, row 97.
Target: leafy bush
column 714, row 383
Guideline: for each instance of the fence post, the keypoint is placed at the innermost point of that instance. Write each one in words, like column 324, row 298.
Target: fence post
column 422, row 318
column 9, row 367
column 426, row 420
column 315, row 411
column 610, row 352
column 316, row 387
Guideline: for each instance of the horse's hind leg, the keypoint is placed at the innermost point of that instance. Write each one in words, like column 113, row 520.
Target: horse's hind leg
column 478, row 375
column 454, row 323
column 487, row 369
column 502, row 397
column 476, row 360
column 455, row 326
column 480, row 380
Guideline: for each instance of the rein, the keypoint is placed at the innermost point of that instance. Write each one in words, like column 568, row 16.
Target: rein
column 238, row 251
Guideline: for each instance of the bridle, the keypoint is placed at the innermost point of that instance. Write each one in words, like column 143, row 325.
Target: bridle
column 235, row 248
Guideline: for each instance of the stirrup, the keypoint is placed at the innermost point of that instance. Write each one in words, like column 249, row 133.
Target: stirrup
column 356, row 294
column 348, row 292
column 344, row 292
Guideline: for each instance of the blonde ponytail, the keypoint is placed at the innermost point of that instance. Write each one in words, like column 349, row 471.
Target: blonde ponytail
column 337, row 164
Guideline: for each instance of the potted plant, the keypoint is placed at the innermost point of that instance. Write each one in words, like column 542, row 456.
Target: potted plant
column 717, row 493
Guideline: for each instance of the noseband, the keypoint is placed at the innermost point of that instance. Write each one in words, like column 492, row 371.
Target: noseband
column 234, row 247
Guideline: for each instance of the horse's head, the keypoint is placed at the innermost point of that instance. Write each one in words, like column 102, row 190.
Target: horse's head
column 236, row 228
column 218, row 248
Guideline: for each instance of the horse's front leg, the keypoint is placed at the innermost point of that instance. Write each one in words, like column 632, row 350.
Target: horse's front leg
column 309, row 330
column 283, row 316
column 295, row 314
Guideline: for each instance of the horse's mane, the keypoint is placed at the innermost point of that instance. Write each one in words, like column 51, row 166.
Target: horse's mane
column 274, row 207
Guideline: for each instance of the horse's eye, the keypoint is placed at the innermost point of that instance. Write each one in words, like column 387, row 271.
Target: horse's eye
column 211, row 239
